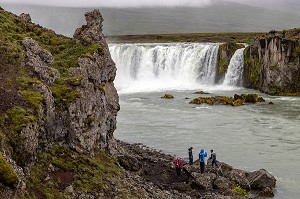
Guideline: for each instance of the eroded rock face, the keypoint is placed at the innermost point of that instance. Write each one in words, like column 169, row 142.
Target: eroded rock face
column 40, row 61
column 90, row 120
column 272, row 66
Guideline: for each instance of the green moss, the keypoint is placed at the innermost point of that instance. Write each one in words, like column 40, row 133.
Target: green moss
column 89, row 120
column 7, row 175
column 252, row 69
column 63, row 93
column 27, row 82
column 101, row 88
column 86, row 174
column 240, row 191
column 168, row 96
column 20, row 117
column 33, row 97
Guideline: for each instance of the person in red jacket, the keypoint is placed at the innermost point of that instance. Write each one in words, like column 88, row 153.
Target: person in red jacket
column 178, row 165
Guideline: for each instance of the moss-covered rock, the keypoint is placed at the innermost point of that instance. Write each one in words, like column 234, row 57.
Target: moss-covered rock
column 65, row 167
column 201, row 93
column 7, row 175
column 168, row 96
column 237, row 100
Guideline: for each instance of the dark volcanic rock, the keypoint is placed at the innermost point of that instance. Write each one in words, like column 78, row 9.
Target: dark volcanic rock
column 26, row 17
column 261, row 179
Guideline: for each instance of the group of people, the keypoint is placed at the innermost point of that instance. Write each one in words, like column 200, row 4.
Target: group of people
column 202, row 155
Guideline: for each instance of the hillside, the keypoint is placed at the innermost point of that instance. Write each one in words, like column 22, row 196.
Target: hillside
column 221, row 16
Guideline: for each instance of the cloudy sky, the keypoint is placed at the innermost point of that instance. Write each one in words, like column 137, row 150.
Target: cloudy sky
column 137, row 3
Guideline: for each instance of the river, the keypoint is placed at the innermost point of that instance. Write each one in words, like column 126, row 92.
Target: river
column 248, row 137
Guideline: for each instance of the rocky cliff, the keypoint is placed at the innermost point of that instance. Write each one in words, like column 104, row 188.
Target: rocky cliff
column 54, row 90
column 273, row 66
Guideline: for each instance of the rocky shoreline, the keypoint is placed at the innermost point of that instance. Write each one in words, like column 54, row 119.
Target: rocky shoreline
column 156, row 171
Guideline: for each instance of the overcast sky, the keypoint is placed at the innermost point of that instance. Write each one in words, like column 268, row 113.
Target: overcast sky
column 278, row 4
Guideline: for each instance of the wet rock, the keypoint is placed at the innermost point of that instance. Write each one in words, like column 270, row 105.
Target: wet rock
column 222, row 183
column 266, row 192
column 200, row 92
column 261, row 179
column 168, row 96
column 239, row 177
column 271, row 103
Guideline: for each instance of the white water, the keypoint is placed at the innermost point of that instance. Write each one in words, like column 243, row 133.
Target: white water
column 235, row 70
column 154, row 67
column 247, row 137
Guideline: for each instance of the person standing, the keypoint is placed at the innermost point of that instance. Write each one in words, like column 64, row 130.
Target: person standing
column 202, row 156
column 178, row 165
column 213, row 157
column 191, row 158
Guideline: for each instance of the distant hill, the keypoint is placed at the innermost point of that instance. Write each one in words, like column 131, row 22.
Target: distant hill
column 219, row 17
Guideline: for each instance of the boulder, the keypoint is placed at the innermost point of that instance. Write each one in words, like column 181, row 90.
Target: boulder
column 25, row 17
column 266, row 192
column 168, row 96
column 204, row 181
column 261, row 179
column 222, row 183
column 239, row 177
column 200, row 92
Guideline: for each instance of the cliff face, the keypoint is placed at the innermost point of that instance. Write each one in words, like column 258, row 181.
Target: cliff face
column 54, row 90
column 273, row 66
column 225, row 53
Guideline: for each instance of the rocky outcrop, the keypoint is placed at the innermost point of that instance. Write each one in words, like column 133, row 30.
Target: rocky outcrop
column 273, row 66
column 40, row 61
column 237, row 100
column 25, row 16
column 225, row 53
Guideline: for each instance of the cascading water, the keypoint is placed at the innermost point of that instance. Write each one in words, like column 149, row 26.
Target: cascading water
column 235, row 69
column 150, row 67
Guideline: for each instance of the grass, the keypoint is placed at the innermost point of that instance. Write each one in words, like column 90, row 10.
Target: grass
column 185, row 37
column 86, row 174
column 7, row 174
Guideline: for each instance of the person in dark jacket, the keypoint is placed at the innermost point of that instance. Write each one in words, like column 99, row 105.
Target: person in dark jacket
column 213, row 157
column 202, row 156
column 191, row 158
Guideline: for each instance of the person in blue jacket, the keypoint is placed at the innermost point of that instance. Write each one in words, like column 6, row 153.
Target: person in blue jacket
column 202, row 156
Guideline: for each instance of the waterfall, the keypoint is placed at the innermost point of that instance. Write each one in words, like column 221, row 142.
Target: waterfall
column 150, row 67
column 235, row 69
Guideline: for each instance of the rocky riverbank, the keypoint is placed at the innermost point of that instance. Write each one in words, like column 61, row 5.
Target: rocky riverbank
column 157, row 169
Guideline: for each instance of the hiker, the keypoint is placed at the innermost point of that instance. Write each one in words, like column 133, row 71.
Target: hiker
column 202, row 156
column 283, row 34
column 191, row 159
column 213, row 157
column 178, row 165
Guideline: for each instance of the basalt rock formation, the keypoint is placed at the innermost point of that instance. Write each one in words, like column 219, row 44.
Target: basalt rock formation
column 273, row 66
column 55, row 91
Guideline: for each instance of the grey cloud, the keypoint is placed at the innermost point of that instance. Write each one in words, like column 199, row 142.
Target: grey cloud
column 111, row 3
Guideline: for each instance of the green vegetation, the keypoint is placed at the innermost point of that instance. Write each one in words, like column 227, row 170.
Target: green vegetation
column 20, row 117
column 86, row 174
column 237, row 100
column 240, row 191
column 186, row 37
column 168, row 96
column 7, row 175
column 89, row 120
column 252, row 69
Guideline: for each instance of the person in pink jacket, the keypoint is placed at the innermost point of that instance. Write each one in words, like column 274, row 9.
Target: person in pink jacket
column 178, row 165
